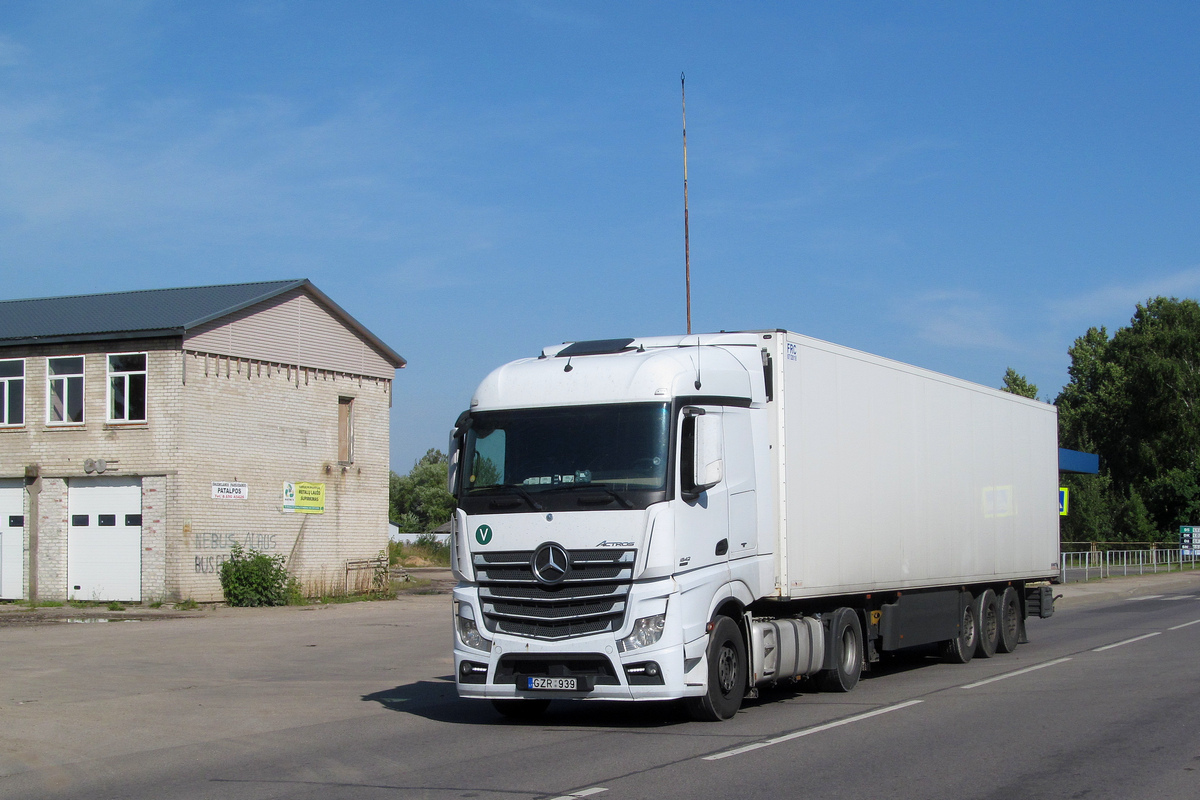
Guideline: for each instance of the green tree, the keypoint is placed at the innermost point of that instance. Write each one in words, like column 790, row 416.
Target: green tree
column 418, row 501
column 1016, row 383
column 1134, row 398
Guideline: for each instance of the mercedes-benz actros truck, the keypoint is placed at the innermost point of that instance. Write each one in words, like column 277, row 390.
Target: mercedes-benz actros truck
column 697, row 516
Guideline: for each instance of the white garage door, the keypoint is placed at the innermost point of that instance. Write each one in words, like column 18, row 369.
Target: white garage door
column 104, row 539
column 12, row 525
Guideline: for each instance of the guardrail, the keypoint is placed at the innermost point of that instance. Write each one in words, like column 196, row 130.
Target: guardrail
column 1088, row 564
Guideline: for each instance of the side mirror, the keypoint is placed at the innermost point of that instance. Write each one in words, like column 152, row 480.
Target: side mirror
column 701, row 467
column 452, row 472
column 461, row 426
column 708, row 468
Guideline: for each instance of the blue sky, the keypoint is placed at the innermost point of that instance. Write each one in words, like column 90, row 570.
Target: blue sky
column 962, row 186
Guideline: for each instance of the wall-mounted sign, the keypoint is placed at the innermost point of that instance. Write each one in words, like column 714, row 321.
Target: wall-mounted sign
column 224, row 490
column 304, row 498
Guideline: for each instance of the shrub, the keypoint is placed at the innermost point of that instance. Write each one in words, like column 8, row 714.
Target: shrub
column 251, row 578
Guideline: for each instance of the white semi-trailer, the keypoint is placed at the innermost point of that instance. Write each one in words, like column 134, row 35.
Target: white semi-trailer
column 697, row 516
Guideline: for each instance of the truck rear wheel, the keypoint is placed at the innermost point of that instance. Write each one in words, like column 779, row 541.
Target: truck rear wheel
column 1010, row 621
column 987, row 614
column 521, row 709
column 846, row 650
column 726, row 674
column 961, row 648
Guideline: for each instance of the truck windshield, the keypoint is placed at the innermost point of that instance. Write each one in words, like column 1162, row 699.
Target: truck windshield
column 612, row 456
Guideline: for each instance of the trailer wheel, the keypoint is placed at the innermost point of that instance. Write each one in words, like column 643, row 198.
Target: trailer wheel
column 726, row 674
column 987, row 614
column 1010, row 621
column 961, row 648
column 521, row 709
column 846, row 649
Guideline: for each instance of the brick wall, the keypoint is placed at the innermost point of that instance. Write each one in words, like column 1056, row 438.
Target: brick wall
column 263, row 424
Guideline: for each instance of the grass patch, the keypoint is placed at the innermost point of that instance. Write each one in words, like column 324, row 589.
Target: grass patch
column 156, row 604
column 46, row 604
column 426, row 551
column 115, row 606
column 187, row 605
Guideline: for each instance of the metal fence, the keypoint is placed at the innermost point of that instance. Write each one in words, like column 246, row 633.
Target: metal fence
column 1084, row 565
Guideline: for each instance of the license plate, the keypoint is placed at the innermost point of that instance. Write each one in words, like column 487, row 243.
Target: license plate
column 553, row 684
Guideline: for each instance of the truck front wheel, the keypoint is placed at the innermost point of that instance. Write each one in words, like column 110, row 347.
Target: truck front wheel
column 846, row 651
column 726, row 674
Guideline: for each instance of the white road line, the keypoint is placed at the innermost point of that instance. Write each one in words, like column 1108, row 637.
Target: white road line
column 581, row 793
column 787, row 737
column 1147, row 597
column 1184, row 625
column 1127, row 641
column 1182, row 597
column 1015, row 673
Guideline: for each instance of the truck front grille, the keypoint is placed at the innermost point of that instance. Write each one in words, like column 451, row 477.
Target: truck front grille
column 591, row 598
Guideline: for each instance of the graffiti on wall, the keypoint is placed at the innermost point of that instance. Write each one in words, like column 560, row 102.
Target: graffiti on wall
column 211, row 550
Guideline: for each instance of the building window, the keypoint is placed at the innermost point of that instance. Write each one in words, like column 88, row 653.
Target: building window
column 12, row 392
column 64, row 388
column 345, row 429
column 127, row 387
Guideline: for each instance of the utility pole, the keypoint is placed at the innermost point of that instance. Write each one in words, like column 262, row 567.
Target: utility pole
column 687, row 253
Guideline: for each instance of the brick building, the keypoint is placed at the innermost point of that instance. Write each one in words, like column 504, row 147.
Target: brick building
column 142, row 434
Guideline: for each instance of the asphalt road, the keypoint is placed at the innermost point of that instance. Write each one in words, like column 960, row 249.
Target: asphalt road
column 356, row 701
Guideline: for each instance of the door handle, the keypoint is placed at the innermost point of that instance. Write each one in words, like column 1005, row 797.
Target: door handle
column 722, row 547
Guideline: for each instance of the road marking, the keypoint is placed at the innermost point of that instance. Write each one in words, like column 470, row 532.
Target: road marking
column 1127, row 641
column 1184, row 625
column 1147, row 597
column 581, row 793
column 787, row 737
column 1015, row 673
column 1182, row 597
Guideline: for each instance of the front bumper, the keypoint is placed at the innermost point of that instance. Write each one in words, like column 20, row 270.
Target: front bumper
column 602, row 671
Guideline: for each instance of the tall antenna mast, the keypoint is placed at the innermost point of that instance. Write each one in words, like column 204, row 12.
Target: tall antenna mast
column 687, row 253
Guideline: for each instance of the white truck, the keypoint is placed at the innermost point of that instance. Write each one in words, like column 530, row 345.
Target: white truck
column 697, row 516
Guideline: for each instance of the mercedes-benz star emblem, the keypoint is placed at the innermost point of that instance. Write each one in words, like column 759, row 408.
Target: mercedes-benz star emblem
column 551, row 563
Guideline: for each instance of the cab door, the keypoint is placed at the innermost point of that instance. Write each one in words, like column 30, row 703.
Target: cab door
column 740, row 482
column 702, row 518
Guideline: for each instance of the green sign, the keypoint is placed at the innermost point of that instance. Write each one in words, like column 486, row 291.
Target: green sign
column 483, row 534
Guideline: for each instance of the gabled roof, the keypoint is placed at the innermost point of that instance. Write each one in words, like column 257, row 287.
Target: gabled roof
column 148, row 313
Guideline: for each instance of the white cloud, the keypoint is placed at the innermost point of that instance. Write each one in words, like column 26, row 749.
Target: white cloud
column 958, row 319
column 1120, row 299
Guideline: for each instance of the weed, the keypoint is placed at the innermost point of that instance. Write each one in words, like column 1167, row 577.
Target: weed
column 156, row 604
column 82, row 604
column 46, row 604
column 187, row 605
column 115, row 606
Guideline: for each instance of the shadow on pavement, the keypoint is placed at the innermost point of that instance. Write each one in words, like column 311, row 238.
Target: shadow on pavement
column 438, row 700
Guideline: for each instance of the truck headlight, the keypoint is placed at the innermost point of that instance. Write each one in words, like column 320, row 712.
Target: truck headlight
column 646, row 631
column 468, row 632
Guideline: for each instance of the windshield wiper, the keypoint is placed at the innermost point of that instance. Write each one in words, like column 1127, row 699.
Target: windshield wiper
column 523, row 493
column 598, row 487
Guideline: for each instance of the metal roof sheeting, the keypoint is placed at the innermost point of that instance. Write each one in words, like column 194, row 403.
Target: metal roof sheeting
column 152, row 312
